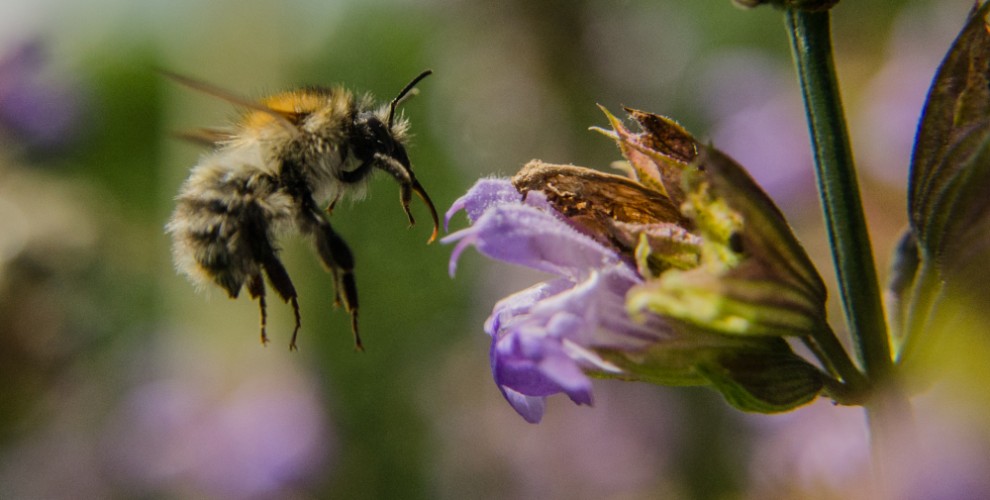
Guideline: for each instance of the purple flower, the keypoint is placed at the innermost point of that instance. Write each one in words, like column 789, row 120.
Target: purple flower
column 543, row 338
column 682, row 272
column 40, row 112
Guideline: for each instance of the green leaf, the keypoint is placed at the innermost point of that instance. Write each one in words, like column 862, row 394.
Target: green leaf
column 904, row 271
column 948, row 203
column 958, row 103
column 958, row 237
column 954, row 268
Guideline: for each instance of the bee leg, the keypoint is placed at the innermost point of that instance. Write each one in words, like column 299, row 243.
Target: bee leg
column 333, row 250
column 337, row 256
column 256, row 287
column 405, row 197
column 408, row 185
column 332, row 204
column 279, row 278
column 256, row 232
column 403, row 176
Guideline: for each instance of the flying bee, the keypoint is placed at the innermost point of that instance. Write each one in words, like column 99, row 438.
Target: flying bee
column 287, row 156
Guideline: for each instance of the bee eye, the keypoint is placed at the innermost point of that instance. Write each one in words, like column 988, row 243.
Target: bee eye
column 378, row 130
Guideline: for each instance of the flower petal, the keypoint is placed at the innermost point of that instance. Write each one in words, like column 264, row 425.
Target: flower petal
column 545, row 338
column 525, row 235
column 526, row 380
column 529, row 407
column 484, row 194
column 521, row 302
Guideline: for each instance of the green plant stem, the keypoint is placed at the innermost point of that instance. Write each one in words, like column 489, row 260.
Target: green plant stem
column 851, row 250
column 852, row 253
column 832, row 355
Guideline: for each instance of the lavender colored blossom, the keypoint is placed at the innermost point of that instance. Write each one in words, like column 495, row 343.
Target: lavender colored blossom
column 543, row 338
column 682, row 272
column 39, row 112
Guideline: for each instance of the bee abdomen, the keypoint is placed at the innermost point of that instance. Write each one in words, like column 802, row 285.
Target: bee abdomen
column 215, row 226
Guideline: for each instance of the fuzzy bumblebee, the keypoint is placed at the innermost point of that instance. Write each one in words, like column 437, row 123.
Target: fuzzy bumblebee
column 287, row 156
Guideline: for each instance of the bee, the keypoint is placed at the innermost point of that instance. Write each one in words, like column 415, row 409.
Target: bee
column 288, row 155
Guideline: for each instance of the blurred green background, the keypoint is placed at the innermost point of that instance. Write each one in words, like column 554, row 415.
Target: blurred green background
column 119, row 380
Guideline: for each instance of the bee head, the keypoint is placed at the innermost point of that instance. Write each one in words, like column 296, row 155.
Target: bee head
column 378, row 132
column 379, row 141
column 372, row 140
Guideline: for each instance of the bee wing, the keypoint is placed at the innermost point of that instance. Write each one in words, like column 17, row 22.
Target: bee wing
column 208, row 137
column 213, row 90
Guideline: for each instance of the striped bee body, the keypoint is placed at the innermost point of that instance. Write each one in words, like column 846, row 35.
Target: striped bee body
column 289, row 155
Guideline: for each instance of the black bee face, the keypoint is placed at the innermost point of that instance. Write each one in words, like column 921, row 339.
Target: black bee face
column 373, row 137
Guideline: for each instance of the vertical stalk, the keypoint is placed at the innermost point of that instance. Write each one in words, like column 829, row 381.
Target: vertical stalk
column 886, row 407
column 829, row 351
column 852, row 253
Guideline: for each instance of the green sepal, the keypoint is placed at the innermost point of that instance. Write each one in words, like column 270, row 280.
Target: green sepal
column 726, row 305
column 671, row 365
column 764, row 381
column 757, row 375
column 754, row 278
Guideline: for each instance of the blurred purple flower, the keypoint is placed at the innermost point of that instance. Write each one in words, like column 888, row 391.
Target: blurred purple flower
column 39, row 112
column 544, row 337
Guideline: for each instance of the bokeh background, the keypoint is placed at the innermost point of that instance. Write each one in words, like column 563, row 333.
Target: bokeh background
column 119, row 380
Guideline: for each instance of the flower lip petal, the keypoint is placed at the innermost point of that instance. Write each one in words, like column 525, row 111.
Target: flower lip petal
column 526, row 380
column 531, row 408
column 563, row 371
column 464, row 238
column 484, row 194
column 543, row 338
column 521, row 234
column 520, row 303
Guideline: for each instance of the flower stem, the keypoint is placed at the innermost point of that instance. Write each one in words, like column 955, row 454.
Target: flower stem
column 833, row 357
column 886, row 406
column 852, row 253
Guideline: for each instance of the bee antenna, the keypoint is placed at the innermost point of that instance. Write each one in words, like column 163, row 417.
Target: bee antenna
column 402, row 93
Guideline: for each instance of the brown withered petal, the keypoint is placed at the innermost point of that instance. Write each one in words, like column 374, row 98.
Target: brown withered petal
column 597, row 201
column 664, row 135
column 660, row 160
